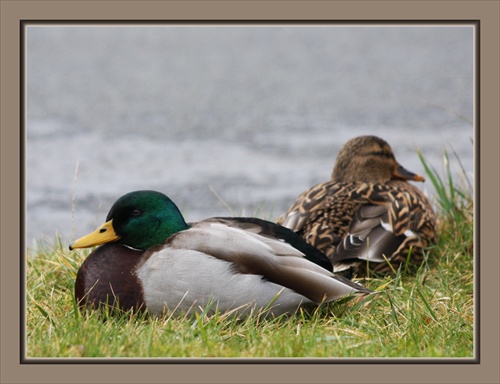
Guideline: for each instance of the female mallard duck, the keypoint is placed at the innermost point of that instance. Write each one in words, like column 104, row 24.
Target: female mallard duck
column 368, row 213
column 152, row 259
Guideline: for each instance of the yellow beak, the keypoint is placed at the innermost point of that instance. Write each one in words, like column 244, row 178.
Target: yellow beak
column 104, row 234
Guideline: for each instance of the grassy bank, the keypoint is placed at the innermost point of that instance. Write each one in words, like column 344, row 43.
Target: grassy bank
column 430, row 314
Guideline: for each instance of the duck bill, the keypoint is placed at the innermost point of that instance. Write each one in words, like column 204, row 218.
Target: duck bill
column 104, row 234
column 402, row 173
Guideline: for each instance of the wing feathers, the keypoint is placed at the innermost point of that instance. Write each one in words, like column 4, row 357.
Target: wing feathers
column 254, row 253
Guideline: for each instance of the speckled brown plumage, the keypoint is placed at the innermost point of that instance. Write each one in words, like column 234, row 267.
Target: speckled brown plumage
column 368, row 211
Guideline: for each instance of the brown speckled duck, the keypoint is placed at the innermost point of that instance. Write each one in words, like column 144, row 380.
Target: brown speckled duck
column 368, row 214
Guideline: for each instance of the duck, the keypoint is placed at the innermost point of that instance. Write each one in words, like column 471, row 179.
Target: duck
column 368, row 217
column 149, row 259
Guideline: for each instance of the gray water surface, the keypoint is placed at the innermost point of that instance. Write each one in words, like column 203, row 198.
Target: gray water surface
column 230, row 120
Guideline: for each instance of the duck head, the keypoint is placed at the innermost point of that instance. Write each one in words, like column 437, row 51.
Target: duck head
column 139, row 220
column 369, row 159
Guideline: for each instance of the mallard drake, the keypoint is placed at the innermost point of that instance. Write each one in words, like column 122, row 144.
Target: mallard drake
column 368, row 213
column 150, row 258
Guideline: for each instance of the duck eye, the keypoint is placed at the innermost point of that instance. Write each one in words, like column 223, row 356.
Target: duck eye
column 136, row 212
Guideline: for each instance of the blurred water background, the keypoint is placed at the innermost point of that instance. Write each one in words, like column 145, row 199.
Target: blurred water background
column 230, row 120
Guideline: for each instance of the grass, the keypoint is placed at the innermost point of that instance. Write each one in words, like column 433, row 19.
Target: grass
column 429, row 314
